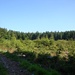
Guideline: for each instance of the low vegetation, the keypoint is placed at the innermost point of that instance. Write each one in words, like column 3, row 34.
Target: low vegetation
column 39, row 53
column 33, row 68
column 3, row 70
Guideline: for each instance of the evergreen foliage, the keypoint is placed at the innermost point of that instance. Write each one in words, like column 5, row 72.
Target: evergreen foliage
column 51, row 50
column 67, row 35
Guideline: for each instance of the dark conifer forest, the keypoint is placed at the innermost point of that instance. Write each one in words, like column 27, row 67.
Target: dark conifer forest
column 8, row 34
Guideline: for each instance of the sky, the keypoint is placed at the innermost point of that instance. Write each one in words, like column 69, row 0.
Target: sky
column 37, row 15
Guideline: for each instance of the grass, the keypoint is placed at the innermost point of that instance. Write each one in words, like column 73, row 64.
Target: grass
column 3, row 70
column 36, row 69
column 33, row 68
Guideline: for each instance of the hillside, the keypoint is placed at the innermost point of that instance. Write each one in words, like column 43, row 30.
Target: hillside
column 47, row 53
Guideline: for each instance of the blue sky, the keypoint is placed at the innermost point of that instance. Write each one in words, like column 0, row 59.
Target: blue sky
column 37, row 15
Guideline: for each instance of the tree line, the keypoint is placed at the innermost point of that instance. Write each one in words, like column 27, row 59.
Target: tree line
column 8, row 34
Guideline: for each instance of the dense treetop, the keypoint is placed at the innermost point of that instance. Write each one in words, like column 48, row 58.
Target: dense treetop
column 8, row 34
